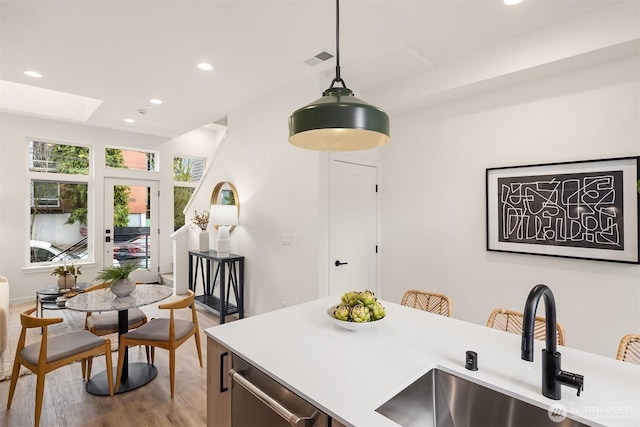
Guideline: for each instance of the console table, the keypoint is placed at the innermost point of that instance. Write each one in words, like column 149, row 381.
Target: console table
column 230, row 269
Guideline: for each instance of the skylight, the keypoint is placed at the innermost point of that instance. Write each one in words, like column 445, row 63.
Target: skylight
column 33, row 100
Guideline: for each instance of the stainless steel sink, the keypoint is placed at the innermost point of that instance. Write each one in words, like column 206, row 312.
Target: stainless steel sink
column 441, row 399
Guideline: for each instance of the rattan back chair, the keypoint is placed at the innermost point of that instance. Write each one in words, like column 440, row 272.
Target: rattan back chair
column 629, row 349
column 511, row 321
column 427, row 301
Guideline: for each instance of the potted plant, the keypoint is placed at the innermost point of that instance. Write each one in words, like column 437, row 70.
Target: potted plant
column 67, row 275
column 117, row 276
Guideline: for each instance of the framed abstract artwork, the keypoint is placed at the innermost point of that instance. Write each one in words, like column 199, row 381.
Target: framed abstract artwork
column 583, row 209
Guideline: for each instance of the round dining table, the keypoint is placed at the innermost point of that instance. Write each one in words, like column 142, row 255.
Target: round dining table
column 134, row 375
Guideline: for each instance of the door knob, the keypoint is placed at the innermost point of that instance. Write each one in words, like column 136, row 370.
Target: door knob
column 338, row 263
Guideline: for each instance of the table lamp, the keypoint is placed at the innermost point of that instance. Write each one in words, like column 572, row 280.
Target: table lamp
column 224, row 216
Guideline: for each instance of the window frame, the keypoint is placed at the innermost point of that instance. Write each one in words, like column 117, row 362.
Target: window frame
column 39, row 205
column 59, row 178
column 188, row 184
column 194, row 183
column 156, row 156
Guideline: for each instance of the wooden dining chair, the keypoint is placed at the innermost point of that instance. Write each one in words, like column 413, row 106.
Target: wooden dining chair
column 511, row 321
column 52, row 353
column 427, row 301
column 629, row 349
column 168, row 334
column 107, row 323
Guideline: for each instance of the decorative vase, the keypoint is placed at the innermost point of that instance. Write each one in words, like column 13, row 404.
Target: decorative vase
column 123, row 287
column 66, row 282
column 203, row 241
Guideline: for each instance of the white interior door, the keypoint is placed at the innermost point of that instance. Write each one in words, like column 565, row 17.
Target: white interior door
column 131, row 225
column 353, row 222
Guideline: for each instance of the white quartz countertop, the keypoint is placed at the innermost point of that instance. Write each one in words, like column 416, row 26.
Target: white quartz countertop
column 348, row 374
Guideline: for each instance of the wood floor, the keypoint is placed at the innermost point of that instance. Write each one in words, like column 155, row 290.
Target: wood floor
column 66, row 402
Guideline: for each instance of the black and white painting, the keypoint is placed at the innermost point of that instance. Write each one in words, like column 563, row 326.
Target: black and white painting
column 586, row 209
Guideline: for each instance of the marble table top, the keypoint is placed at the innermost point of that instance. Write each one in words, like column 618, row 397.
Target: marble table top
column 104, row 300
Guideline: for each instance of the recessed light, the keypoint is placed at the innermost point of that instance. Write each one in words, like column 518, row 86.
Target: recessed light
column 129, row 120
column 205, row 67
column 511, row 2
column 33, row 74
column 155, row 101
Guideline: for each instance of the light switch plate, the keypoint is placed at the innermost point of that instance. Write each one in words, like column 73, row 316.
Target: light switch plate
column 286, row 240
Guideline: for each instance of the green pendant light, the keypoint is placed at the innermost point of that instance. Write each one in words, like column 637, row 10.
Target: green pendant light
column 338, row 121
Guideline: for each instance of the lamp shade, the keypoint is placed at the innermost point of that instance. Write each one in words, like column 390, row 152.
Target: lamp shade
column 224, row 215
column 338, row 122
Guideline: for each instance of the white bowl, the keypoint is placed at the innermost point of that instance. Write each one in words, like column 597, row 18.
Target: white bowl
column 353, row 326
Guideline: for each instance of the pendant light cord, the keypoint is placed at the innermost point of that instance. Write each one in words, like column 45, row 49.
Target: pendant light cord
column 338, row 79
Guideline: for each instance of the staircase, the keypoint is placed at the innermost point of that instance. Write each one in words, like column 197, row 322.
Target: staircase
column 166, row 279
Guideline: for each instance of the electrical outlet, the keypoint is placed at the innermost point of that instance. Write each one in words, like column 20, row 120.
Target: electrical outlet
column 286, row 240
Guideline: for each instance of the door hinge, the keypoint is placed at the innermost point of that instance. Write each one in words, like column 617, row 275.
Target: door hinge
column 376, row 188
column 158, row 231
column 376, row 248
column 158, row 193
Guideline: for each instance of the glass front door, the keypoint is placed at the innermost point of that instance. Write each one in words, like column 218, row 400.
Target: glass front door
column 131, row 225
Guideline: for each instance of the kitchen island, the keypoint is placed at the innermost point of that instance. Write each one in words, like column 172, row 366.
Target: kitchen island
column 348, row 374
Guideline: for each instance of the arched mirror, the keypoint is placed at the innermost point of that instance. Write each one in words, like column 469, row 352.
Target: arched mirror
column 224, row 193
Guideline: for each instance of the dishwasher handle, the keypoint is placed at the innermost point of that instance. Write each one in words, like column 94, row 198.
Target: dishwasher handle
column 293, row 419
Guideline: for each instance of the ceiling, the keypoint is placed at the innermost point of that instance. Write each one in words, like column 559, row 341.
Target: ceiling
column 128, row 52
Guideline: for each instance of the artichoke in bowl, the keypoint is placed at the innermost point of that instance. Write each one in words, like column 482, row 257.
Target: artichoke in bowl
column 350, row 298
column 367, row 298
column 357, row 309
column 377, row 311
column 342, row 312
column 360, row 313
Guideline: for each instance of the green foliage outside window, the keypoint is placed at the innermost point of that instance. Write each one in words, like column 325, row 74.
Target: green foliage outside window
column 181, row 169
column 67, row 160
column 74, row 160
column 181, row 195
column 115, row 159
column 71, row 159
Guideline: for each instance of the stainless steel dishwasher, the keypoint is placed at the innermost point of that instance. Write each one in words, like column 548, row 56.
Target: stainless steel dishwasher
column 259, row 401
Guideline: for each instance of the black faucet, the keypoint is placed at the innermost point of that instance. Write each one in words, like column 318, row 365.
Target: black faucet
column 552, row 376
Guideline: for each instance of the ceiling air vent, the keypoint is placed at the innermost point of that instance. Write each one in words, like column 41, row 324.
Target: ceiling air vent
column 317, row 59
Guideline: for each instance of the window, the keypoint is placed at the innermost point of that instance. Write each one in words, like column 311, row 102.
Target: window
column 187, row 173
column 45, row 194
column 181, row 196
column 58, row 208
column 48, row 157
column 187, row 170
column 130, row 159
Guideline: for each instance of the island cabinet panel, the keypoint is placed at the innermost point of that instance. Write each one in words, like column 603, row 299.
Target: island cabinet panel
column 218, row 385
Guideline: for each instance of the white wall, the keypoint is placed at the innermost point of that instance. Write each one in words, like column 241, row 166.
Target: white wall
column 433, row 199
column 200, row 143
column 278, row 188
column 14, row 190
